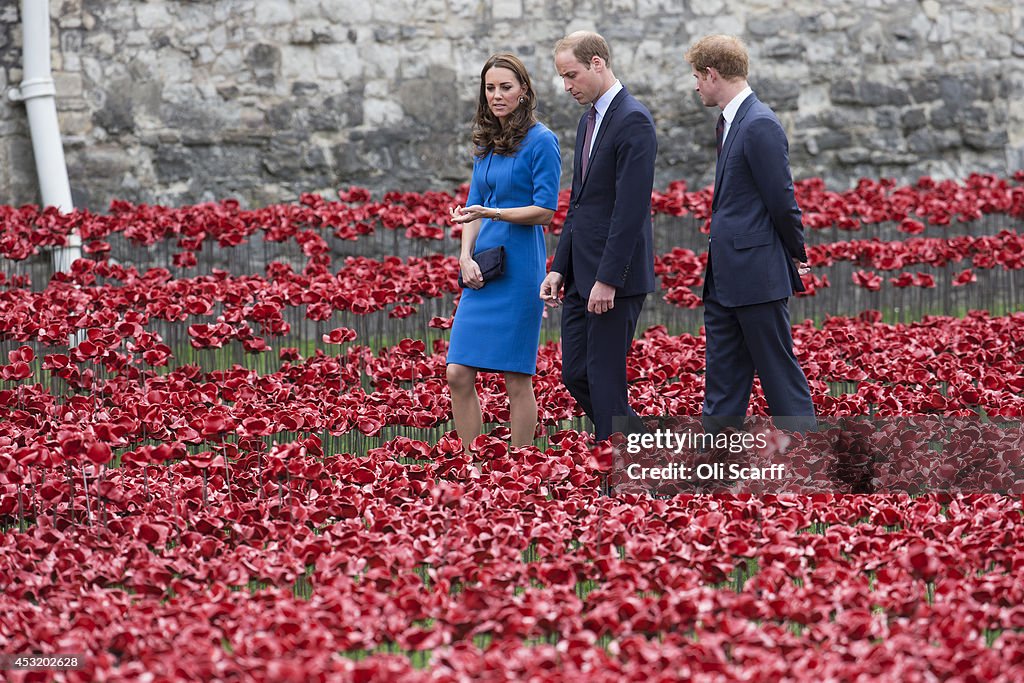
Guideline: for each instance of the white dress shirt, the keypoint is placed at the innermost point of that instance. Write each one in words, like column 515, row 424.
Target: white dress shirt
column 730, row 111
column 602, row 104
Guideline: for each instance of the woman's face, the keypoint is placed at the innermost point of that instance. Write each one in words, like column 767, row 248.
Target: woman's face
column 503, row 91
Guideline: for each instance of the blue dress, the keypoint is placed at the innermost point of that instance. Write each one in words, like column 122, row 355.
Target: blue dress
column 497, row 327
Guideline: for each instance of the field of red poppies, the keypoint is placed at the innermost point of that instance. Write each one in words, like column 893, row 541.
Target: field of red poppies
column 225, row 454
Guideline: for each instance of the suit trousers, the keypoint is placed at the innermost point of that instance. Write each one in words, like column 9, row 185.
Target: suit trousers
column 594, row 349
column 743, row 340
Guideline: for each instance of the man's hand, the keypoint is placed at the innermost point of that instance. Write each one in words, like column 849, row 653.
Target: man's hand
column 550, row 287
column 802, row 267
column 602, row 299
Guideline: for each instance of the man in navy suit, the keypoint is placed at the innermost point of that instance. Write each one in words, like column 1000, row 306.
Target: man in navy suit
column 605, row 257
column 755, row 252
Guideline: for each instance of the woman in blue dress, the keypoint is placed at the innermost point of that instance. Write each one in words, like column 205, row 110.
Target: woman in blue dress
column 512, row 195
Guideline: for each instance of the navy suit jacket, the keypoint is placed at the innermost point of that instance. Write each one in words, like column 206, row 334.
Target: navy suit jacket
column 756, row 226
column 607, row 234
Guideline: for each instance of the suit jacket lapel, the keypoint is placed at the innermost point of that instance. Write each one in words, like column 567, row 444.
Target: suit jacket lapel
column 734, row 132
column 605, row 125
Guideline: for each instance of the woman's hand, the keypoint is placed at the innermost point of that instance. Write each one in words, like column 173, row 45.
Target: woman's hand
column 471, row 275
column 468, row 214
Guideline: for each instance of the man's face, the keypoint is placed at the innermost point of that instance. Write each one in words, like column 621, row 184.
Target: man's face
column 582, row 81
column 704, row 84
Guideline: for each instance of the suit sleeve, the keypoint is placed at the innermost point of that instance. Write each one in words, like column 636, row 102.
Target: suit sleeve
column 767, row 152
column 635, row 150
column 560, row 263
column 547, row 171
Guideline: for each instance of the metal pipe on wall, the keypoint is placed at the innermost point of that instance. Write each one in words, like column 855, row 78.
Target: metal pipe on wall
column 38, row 92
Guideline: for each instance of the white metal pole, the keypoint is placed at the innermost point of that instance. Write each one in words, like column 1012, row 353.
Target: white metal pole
column 38, row 92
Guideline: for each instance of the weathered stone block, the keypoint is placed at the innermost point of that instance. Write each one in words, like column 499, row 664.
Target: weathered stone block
column 914, row 118
column 297, row 63
column 290, row 156
column 102, row 161
column 381, row 112
column 943, row 116
column 769, row 25
column 974, row 116
column 884, row 140
column 778, row 94
column 844, row 91
column 273, row 12
column 832, row 139
column 152, row 15
column 627, row 7
column 783, row 48
column 878, row 94
column 845, row 119
column 338, row 62
column 882, row 157
column 338, row 112
column 117, row 115
column 926, row 89
column 346, row 13
column 362, row 153
column 854, row 155
column 74, row 125
column 984, row 140
column 707, row 8
column 378, row 61
column 506, row 9
column 206, row 162
column 265, row 63
column 67, row 82
column 659, row 8
column 927, row 142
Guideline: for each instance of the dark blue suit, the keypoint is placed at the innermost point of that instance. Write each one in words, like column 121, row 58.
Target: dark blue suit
column 607, row 237
column 756, row 232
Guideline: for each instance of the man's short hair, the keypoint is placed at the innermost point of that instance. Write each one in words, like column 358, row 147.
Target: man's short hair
column 726, row 54
column 585, row 45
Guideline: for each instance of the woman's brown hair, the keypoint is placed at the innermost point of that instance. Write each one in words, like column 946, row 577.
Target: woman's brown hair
column 488, row 133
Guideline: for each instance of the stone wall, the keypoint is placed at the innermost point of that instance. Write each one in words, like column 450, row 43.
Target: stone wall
column 179, row 101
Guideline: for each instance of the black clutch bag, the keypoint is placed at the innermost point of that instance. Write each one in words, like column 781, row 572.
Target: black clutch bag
column 491, row 262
